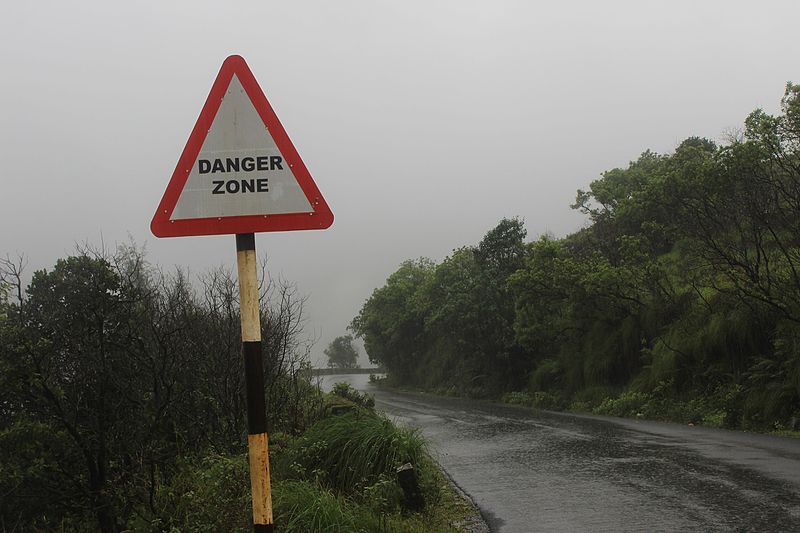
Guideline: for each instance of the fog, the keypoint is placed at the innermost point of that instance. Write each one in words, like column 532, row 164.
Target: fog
column 422, row 123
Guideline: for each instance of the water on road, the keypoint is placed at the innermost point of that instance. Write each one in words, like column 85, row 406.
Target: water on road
column 537, row 471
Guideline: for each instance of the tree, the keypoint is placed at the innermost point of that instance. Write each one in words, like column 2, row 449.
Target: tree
column 341, row 353
column 685, row 281
column 392, row 324
column 115, row 375
column 84, row 378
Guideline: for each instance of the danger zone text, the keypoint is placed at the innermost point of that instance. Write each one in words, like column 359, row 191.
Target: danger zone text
column 236, row 164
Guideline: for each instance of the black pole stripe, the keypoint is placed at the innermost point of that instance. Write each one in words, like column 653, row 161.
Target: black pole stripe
column 263, row 528
column 245, row 241
column 254, row 380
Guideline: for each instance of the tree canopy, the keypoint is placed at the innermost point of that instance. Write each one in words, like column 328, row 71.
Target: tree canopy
column 341, row 353
column 114, row 375
column 683, row 289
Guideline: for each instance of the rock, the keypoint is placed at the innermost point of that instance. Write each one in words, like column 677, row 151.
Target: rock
column 407, row 478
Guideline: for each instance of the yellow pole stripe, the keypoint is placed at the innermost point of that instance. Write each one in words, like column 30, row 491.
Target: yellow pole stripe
column 248, row 295
column 259, row 478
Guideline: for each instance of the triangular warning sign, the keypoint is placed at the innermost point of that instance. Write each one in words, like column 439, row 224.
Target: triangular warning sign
column 239, row 172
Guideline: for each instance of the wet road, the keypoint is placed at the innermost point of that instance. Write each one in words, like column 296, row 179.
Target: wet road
column 532, row 471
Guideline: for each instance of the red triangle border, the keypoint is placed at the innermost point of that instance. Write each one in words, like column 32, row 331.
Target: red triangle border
column 162, row 226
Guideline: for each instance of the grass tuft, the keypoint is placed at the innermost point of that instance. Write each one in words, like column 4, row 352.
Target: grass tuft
column 353, row 450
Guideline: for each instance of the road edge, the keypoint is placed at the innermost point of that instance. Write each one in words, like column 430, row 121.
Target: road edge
column 475, row 521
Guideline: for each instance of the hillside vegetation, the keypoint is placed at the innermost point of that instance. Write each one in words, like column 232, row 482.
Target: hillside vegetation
column 122, row 407
column 680, row 299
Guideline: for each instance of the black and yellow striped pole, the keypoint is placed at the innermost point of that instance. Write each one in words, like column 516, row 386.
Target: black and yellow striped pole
column 257, row 441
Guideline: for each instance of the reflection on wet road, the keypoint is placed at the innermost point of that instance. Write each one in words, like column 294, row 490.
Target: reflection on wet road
column 533, row 471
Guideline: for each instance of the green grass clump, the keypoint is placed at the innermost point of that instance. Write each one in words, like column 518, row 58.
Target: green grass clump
column 305, row 507
column 302, row 506
column 362, row 399
column 353, row 450
column 341, row 476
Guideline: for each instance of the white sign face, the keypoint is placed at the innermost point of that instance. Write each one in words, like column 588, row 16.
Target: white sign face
column 239, row 171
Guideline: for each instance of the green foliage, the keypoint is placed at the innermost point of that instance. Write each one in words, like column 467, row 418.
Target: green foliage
column 31, row 458
column 517, row 398
column 362, row 399
column 301, row 506
column 548, row 375
column 354, row 450
column 679, row 300
column 593, row 396
column 450, row 324
column 203, row 496
column 537, row 400
column 212, row 493
column 116, row 377
column 390, row 323
column 341, row 353
column 546, row 400
column 341, row 476
column 626, row 404
column 721, row 407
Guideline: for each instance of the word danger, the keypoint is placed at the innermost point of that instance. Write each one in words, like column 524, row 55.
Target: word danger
column 244, row 164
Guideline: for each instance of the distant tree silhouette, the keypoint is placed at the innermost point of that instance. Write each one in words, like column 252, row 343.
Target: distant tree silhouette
column 341, row 353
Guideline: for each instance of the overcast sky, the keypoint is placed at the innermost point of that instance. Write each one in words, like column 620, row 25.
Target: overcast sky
column 422, row 122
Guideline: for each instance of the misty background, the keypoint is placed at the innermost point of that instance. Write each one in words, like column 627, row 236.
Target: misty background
column 422, row 123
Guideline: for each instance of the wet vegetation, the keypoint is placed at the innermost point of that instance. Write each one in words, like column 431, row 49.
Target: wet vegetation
column 122, row 407
column 679, row 300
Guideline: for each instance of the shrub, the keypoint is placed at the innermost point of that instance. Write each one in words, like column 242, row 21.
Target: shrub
column 626, row 404
column 546, row 400
column 580, row 407
column 594, row 396
column 547, row 376
column 353, row 450
column 33, row 456
column 210, row 495
column 517, row 398
column 362, row 399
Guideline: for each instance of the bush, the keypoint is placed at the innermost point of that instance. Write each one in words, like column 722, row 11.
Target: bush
column 362, row 399
column 339, row 477
column 353, row 450
column 33, row 458
column 546, row 400
column 517, row 398
column 594, row 396
column 719, row 408
column 580, row 407
column 210, row 495
column 547, row 376
column 627, row 404
column 377, row 379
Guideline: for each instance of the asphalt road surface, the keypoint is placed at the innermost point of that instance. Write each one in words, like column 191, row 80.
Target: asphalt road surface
column 539, row 471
